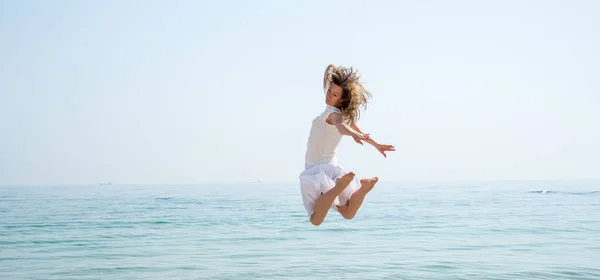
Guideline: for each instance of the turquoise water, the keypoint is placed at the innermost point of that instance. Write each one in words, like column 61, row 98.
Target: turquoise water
column 497, row 230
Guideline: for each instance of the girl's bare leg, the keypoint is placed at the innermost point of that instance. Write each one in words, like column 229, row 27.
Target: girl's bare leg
column 349, row 210
column 324, row 202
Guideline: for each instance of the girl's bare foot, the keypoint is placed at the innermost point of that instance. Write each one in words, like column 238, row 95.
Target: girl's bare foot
column 345, row 180
column 368, row 183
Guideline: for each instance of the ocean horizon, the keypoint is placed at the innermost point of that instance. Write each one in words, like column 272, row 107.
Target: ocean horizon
column 512, row 229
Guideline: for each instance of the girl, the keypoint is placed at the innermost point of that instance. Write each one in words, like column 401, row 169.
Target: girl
column 324, row 183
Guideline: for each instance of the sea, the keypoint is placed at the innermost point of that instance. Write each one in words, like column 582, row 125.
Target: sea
column 260, row 230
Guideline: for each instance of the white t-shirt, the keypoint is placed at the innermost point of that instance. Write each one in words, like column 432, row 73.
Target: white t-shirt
column 323, row 140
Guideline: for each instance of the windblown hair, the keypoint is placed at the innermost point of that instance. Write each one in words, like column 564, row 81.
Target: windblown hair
column 354, row 95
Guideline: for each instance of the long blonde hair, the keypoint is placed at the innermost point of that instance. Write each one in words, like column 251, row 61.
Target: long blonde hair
column 354, row 95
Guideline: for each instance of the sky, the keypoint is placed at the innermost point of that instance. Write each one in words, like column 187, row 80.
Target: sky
column 189, row 92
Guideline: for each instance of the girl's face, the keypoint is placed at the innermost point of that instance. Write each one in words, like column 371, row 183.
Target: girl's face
column 334, row 95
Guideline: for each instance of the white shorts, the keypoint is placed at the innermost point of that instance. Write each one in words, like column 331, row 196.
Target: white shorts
column 320, row 178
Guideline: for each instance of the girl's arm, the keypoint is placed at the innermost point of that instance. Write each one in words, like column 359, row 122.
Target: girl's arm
column 355, row 127
column 344, row 129
column 380, row 147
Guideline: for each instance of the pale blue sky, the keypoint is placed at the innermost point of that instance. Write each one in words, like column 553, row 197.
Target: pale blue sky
column 212, row 91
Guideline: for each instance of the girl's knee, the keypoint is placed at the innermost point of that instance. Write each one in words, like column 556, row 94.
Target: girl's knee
column 315, row 221
column 348, row 216
column 345, row 212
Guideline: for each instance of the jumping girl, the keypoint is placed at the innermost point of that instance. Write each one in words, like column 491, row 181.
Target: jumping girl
column 324, row 183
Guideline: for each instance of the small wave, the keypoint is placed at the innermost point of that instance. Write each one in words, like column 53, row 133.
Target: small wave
column 541, row 191
column 179, row 200
column 559, row 192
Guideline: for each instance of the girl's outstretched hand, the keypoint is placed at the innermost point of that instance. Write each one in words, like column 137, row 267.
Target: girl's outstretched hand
column 360, row 136
column 385, row 148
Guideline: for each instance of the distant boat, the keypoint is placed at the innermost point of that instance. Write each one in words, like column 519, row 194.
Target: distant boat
column 106, row 184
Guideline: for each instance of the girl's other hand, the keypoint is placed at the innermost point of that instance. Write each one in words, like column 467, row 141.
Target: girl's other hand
column 385, row 148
